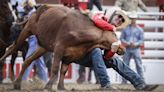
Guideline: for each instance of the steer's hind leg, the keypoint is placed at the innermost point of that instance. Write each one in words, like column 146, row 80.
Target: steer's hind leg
column 39, row 52
column 58, row 54
column 63, row 70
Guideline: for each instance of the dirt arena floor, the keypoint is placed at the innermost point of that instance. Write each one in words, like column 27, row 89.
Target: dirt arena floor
column 79, row 88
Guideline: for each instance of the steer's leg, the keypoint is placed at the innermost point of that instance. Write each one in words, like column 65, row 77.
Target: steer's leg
column 63, row 70
column 58, row 54
column 13, row 58
column 39, row 52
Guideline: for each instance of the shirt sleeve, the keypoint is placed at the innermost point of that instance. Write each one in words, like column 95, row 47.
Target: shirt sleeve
column 99, row 22
column 123, row 36
column 108, row 54
column 142, row 6
column 140, row 38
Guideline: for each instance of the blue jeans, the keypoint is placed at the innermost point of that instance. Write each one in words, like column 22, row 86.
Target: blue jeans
column 136, row 54
column 95, row 59
column 40, row 64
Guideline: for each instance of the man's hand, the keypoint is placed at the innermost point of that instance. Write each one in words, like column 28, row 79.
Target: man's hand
column 121, row 50
column 114, row 29
column 132, row 45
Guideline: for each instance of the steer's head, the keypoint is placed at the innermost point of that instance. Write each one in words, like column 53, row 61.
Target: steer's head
column 108, row 38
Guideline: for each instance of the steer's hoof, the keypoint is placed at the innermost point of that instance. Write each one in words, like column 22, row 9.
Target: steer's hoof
column 61, row 88
column 17, row 86
column 48, row 87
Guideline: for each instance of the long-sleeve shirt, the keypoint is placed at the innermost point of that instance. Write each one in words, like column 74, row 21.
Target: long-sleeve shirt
column 101, row 22
column 130, row 5
column 133, row 35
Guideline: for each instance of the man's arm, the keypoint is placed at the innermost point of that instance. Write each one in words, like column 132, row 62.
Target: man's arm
column 101, row 23
column 122, row 38
column 119, row 3
column 142, row 5
column 99, row 20
column 140, row 38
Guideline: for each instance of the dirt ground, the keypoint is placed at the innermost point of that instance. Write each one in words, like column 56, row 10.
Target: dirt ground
column 79, row 88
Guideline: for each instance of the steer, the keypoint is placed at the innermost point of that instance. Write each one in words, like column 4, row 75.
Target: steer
column 65, row 32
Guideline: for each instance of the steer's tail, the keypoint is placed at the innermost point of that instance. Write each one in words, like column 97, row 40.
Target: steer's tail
column 21, row 38
column 25, row 33
column 23, row 22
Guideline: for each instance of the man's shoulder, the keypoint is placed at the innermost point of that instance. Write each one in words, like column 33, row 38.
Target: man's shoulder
column 139, row 28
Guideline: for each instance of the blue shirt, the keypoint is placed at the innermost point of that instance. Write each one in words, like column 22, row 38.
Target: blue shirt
column 132, row 34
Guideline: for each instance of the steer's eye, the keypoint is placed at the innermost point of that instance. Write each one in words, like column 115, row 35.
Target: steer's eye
column 114, row 34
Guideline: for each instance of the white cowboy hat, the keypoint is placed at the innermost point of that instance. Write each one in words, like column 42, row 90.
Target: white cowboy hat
column 114, row 11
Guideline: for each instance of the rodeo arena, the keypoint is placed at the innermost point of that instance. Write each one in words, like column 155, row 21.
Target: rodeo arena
column 81, row 45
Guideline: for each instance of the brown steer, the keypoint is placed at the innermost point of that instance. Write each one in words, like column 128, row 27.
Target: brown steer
column 66, row 32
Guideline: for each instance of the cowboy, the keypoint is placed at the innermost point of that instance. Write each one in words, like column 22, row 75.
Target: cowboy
column 99, row 62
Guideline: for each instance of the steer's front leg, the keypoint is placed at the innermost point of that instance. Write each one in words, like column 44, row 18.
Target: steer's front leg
column 63, row 70
column 17, row 84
